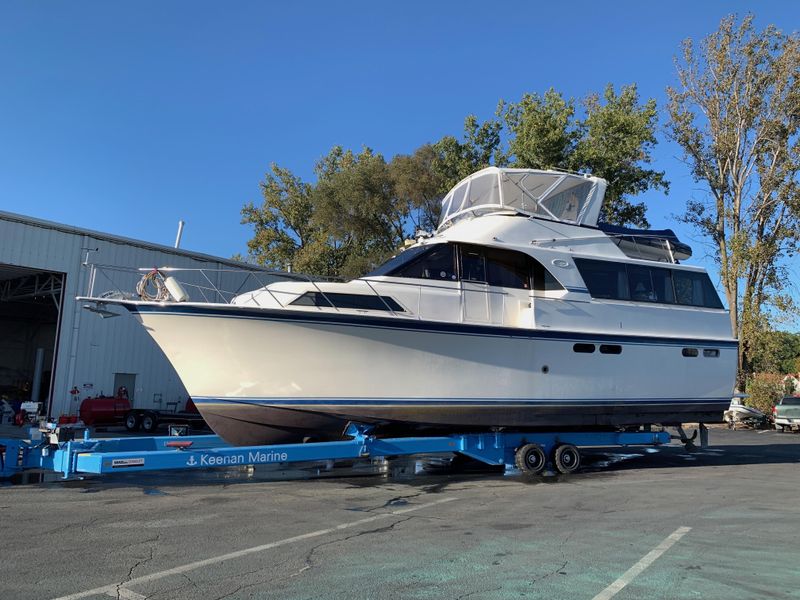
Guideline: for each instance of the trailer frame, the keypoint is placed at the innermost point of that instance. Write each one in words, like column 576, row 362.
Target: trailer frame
column 529, row 452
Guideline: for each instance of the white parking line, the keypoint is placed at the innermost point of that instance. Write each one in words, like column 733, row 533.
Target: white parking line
column 647, row 560
column 125, row 594
column 111, row 590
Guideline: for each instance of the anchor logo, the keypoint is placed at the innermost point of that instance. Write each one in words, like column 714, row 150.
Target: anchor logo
column 191, row 462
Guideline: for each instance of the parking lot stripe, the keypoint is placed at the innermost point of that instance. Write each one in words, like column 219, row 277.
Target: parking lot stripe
column 106, row 589
column 125, row 594
column 647, row 560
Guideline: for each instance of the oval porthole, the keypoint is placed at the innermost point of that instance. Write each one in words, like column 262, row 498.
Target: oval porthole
column 711, row 352
column 545, row 369
column 610, row 349
column 690, row 352
column 583, row 348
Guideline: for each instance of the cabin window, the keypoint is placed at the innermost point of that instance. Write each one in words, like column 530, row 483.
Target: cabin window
column 508, row 269
column 495, row 266
column 650, row 284
column 690, row 352
column 505, row 268
column 640, row 283
column 403, row 258
column 473, row 264
column 695, row 289
column 352, row 301
column 432, row 262
column 711, row 353
column 543, row 280
column 607, row 280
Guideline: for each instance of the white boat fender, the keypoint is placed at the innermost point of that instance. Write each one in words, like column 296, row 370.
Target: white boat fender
column 176, row 290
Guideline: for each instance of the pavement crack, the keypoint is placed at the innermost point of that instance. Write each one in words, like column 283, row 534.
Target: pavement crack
column 310, row 554
column 139, row 562
column 480, row 591
column 563, row 566
column 394, row 502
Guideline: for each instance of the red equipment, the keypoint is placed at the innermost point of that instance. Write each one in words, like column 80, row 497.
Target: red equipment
column 104, row 410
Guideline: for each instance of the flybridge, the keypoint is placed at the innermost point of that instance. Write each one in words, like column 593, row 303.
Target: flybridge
column 553, row 195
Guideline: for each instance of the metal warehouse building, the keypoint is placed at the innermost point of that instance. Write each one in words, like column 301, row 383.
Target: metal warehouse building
column 55, row 351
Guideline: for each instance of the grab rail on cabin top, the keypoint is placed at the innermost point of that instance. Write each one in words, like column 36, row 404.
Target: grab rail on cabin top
column 124, row 279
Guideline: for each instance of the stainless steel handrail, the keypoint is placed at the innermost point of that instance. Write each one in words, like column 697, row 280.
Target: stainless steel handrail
column 214, row 292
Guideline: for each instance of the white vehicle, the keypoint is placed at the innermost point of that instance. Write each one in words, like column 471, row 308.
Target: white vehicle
column 738, row 413
column 520, row 312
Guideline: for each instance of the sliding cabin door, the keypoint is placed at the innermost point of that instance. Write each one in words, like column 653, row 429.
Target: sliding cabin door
column 474, row 286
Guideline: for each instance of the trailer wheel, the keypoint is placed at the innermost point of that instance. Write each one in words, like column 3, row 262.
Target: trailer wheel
column 149, row 422
column 567, row 458
column 530, row 458
column 132, row 421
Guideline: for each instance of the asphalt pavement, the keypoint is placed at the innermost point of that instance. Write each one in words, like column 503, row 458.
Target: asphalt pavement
column 721, row 522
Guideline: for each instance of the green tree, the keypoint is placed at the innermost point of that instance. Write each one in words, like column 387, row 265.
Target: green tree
column 454, row 160
column 765, row 390
column 613, row 139
column 543, row 131
column 423, row 178
column 420, row 185
column 736, row 114
column 357, row 208
column 618, row 136
column 284, row 235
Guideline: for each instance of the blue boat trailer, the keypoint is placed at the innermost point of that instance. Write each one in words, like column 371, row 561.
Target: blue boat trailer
column 526, row 452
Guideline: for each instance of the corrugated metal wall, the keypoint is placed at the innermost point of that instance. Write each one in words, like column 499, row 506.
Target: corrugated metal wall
column 91, row 349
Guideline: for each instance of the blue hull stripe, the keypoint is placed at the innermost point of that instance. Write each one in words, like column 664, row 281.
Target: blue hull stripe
column 324, row 318
column 566, row 402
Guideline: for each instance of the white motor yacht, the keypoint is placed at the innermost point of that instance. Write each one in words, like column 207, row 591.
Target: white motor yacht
column 519, row 312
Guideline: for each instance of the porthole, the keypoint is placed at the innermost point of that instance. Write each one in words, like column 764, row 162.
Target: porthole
column 690, row 352
column 583, row 348
column 610, row 349
column 545, row 369
column 711, row 352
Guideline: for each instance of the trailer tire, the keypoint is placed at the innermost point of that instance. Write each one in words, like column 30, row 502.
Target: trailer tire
column 132, row 422
column 530, row 458
column 149, row 422
column 567, row 458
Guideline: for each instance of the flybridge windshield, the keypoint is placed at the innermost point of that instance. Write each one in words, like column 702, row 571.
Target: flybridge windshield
column 547, row 194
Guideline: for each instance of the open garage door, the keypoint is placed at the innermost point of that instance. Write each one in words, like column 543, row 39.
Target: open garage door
column 30, row 317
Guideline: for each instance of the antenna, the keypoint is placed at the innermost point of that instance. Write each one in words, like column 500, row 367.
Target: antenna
column 180, row 233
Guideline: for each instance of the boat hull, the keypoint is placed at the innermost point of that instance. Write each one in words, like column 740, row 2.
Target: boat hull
column 271, row 376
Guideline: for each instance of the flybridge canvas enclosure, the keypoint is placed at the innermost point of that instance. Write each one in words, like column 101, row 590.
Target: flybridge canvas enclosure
column 546, row 194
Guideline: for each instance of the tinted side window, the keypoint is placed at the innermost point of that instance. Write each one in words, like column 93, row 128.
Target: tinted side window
column 473, row 264
column 437, row 263
column 403, row 258
column 695, row 289
column 508, row 269
column 662, row 285
column 618, row 281
column 505, row 268
column 354, row 301
column 640, row 284
column 650, row 284
column 543, row 280
column 604, row 279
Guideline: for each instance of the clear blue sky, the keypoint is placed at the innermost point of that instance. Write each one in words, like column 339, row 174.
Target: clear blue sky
column 126, row 117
